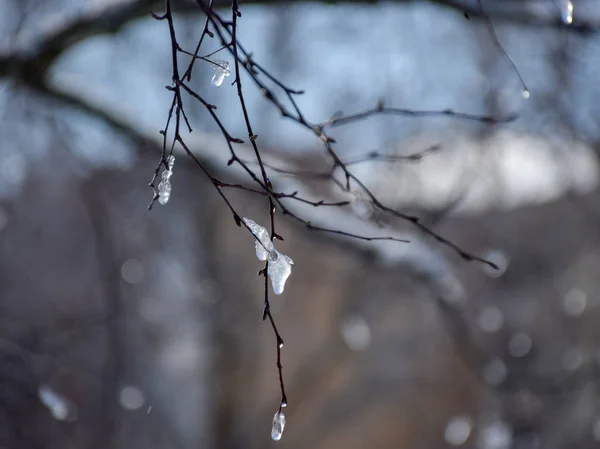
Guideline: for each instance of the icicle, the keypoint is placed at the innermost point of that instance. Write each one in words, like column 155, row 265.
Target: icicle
column 221, row 69
column 280, row 265
column 278, row 426
column 164, row 187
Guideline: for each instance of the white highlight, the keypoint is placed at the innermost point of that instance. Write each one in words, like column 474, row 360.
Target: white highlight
column 566, row 11
column 56, row 403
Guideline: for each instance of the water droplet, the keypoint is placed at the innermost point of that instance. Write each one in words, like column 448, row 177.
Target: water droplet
column 458, row 430
column 283, row 403
column 520, row 345
column 525, row 94
column 278, row 426
column 491, row 319
column 280, row 344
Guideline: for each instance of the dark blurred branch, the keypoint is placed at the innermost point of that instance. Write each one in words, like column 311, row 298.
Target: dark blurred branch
column 115, row 121
column 33, row 63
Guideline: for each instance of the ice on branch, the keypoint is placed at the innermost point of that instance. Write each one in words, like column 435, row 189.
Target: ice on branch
column 221, row 69
column 278, row 426
column 280, row 265
column 164, row 187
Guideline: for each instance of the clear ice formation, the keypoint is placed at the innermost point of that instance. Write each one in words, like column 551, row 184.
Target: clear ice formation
column 221, row 69
column 278, row 426
column 280, row 265
column 164, row 187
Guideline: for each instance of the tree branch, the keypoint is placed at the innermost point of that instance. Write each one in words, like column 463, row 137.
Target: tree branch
column 34, row 63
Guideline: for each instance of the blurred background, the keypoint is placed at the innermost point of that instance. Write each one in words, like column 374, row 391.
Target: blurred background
column 127, row 328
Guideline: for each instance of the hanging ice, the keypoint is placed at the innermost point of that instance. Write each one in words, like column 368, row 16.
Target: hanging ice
column 221, row 69
column 278, row 425
column 164, row 187
column 280, row 265
column 566, row 11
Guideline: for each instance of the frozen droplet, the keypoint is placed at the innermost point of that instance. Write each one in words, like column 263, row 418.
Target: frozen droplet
column 280, row 265
column 356, row 333
column 164, row 187
column 520, row 345
column 496, row 435
column 221, row 69
column 491, row 319
column 279, row 271
column 572, row 359
column 164, row 192
column 263, row 244
column 458, row 430
column 494, row 372
column 131, row 398
column 278, row 426
column 575, row 302
column 171, row 162
column 566, row 11
column 56, row 403
column 525, row 93
column 262, row 253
